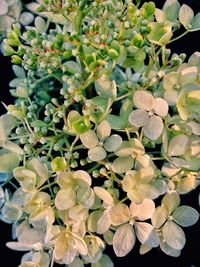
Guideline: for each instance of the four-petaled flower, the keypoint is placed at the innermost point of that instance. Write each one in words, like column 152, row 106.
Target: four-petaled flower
column 149, row 114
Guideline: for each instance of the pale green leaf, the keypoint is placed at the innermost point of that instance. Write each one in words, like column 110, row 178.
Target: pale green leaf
column 105, row 87
column 119, row 214
column 160, row 107
column 97, row 153
column 153, row 129
column 12, row 147
column 186, row 16
column 122, row 165
column 65, row 199
column 138, row 118
column 159, row 217
column 171, row 9
column 103, row 130
column 174, row 235
column 19, row 72
column 146, row 234
column 178, row 145
column 185, row 216
column 196, row 22
column 7, row 123
column 170, row 202
column 124, row 240
column 113, row 143
column 72, row 67
column 89, row 139
column 143, row 100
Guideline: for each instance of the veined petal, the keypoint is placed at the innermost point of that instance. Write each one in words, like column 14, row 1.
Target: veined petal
column 138, row 117
column 160, row 107
column 153, row 129
column 89, row 139
column 103, row 130
column 143, row 100
column 65, row 199
column 142, row 211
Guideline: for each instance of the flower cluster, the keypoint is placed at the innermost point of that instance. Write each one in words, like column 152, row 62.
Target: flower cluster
column 106, row 121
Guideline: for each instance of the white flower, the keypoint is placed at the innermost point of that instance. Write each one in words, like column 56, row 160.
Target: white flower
column 149, row 114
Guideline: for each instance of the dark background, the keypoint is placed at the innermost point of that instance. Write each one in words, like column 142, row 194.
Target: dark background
column 190, row 256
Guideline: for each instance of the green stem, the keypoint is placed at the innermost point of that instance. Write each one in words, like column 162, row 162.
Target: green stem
column 178, row 37
column 80, row 16
column 123, row 96
column 47, row 186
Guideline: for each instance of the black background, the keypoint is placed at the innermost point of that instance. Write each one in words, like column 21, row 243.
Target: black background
column 190, row 256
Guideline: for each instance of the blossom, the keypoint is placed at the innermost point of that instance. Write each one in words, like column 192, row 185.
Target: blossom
column 149, row 114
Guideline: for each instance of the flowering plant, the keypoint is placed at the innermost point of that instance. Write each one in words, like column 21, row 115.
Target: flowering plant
column 106, row 120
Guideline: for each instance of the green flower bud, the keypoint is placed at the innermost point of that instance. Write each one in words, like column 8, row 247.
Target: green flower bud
column 137, row 40
column 113, row 53
column 16, row 59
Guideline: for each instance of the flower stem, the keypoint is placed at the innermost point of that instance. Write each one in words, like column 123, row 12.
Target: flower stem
column 178, row 37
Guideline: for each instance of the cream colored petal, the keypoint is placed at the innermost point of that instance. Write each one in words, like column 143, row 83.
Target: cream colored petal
column 160, row 107
column 138, row 117
column 153, row 129
column 144, row 210
column 143, row 100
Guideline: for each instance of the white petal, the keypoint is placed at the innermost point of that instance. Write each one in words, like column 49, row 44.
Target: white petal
column 103, row 130
column 178, row 145
column 144, row 210
column 89, row 139
column 153, row 129
column 160, row 107
column 174, row 235
column 171, row 96
column 119, row 214
column 138, row 118
column 143, row 100
column 146, row 234
column 124, row 240
column 3, row 7
column 65, row 199
column 97, row 153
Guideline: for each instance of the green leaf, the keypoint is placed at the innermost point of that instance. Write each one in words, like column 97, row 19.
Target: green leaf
column 113, row 143
column 170, row 202
column 185, row 216
column 7, row 123
column 171, row 9
column 89, row 139
column 58, row 164
column 19, row 72
column 196, row 22
column 72, row 67
column 122, row 165
column 160, row 33
column 148, row 9
column 174, row 235
column 178, row 145
column 118, row 75
column 146, row 234
column 186, row 16
column 97, row 153
column 124, row 240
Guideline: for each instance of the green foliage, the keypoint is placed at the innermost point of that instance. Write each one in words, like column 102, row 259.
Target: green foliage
column 106, row 121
